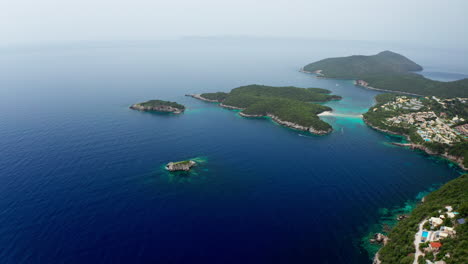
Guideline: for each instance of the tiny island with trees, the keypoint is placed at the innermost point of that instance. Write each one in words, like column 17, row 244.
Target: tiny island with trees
column 159, row 106
column 289, row 106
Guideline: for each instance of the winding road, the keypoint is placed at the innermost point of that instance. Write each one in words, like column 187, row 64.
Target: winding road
column 417, row 240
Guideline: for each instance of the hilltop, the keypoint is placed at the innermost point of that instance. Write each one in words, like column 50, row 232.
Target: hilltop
column 359, row 66
column 388, row 71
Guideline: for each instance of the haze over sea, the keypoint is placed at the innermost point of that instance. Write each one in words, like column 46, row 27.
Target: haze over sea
column 81, row 176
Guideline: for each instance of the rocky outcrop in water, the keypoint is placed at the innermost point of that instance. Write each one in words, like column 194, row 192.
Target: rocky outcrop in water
column 181, row 165
column 379, row 238
column 401, row 217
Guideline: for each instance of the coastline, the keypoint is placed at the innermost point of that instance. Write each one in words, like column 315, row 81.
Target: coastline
column 322, row 76
column 457, row 160
column 290, row 124
column 199, row 97
column 273, row 117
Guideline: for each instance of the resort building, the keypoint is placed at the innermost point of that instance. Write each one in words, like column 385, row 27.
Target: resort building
column 435, row 221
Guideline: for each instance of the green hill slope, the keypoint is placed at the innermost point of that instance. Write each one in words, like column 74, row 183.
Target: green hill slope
column 289, row 104
column 358, row 66
column 388, row 71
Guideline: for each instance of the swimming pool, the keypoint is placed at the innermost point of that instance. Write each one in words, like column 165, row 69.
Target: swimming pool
column 424, row 234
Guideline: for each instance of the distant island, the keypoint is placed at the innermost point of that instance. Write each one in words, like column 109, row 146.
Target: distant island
column 184, row 165
column 289, row 106
column 387, row 71
column 434, row 125
column 436, row 231
column 159, row 106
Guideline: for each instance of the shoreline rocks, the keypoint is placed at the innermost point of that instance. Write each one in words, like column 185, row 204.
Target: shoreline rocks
column 273, row 117
column 230, row 107
column 413, row 146
column 199, row 97
column 401, row 217
column 181, row 165
column 290, row 124
column 379, row 238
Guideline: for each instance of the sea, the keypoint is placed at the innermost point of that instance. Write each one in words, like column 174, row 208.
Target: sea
column 82, row 176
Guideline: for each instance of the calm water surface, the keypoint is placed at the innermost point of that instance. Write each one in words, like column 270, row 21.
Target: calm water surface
column 81, row 176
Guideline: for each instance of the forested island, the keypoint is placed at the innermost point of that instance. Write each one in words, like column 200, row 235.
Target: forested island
column 434, row 125
column 159, row 106
column 387, row 71
column 289, row 106
column 435, row 231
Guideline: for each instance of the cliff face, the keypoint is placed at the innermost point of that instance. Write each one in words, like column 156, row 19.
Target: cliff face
column 160, row 108
column 180, row 166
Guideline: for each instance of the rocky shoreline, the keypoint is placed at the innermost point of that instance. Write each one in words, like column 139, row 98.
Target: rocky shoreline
column 322, row 76
column 199, row 97
column 230, row 107
column 456, row 160
column 273, row 117
column 291, row 124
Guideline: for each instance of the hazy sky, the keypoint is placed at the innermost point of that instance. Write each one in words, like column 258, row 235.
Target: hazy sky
column 440, row 23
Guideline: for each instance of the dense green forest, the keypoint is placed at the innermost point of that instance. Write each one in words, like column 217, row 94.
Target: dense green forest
column 301, row 113
column 390, row 71
column 400, row 248
column 357, row 66
column 155, row 103
column 288, row 103
column 418, row 84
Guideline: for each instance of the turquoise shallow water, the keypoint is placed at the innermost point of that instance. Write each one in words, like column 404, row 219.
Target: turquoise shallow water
column 82, row 178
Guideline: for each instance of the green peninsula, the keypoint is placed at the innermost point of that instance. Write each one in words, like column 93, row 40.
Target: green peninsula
column 387, row 71
column 159, row 106
column 289, row 106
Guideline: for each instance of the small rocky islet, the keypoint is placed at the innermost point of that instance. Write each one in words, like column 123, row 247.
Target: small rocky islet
column 159, row 106
column 184, row 165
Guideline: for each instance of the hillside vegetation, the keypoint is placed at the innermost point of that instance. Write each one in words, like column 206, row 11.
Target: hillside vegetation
column 156, row 103
column 400, row 248
column 288, row 103
column 389, row 71
column 358, row 66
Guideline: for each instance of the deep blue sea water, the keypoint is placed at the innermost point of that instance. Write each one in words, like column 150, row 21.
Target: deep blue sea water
column 81, row 178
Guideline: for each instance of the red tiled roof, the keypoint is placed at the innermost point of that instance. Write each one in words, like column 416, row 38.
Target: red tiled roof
column 436, row 244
